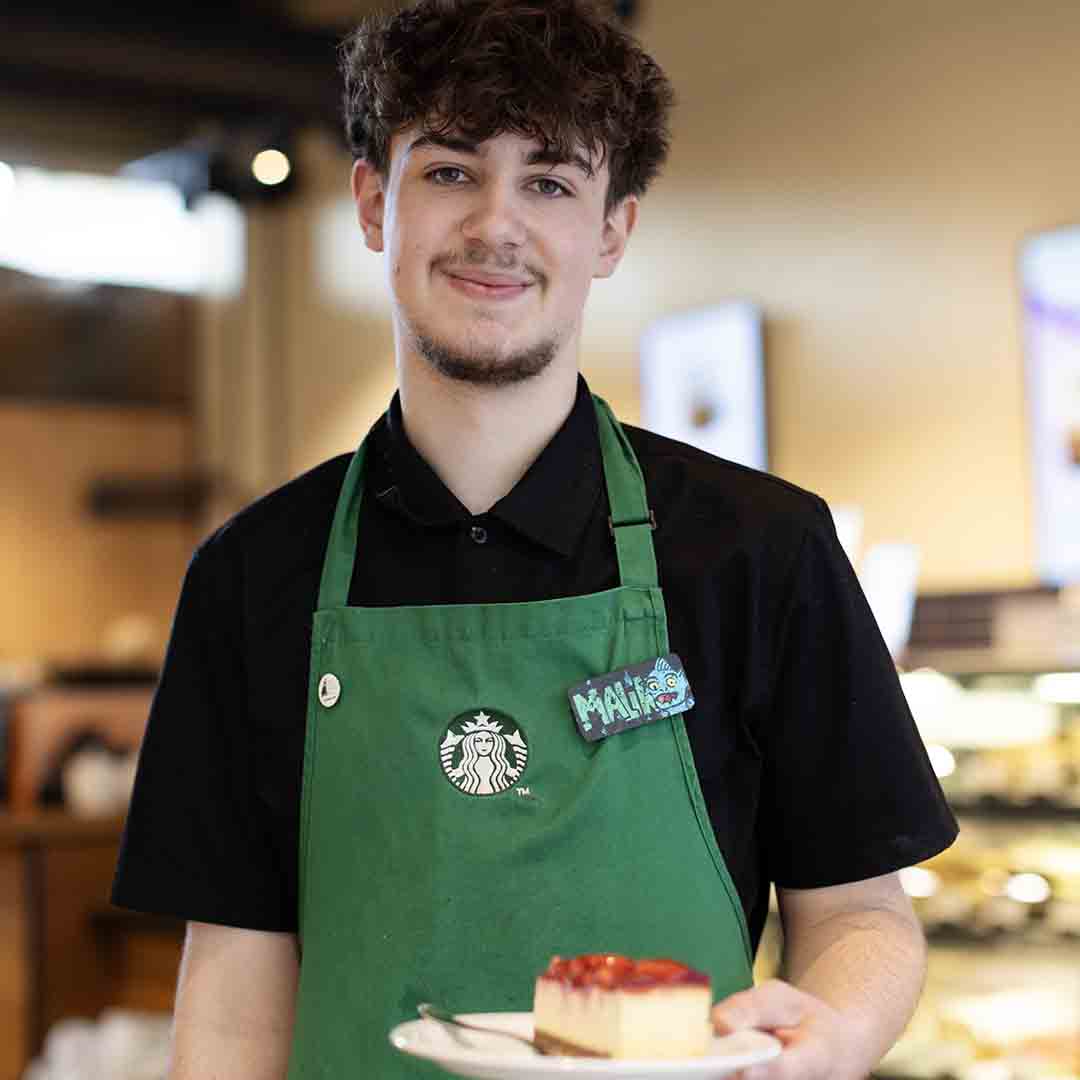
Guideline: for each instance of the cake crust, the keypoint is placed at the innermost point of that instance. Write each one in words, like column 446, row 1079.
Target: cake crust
column 550, row 1044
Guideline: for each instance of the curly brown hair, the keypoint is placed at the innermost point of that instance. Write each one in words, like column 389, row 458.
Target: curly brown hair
column 557, row 71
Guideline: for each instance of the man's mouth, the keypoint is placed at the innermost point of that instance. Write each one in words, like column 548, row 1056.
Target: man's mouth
column 484, row 286
column 666, row 698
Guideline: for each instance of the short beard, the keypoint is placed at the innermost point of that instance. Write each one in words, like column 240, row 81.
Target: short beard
column 486, row 369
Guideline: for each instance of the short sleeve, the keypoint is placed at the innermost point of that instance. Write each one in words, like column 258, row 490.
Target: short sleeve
column 196, row 845
column 848, row 789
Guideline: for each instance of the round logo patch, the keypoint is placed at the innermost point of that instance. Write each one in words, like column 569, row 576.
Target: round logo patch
column 483, row 752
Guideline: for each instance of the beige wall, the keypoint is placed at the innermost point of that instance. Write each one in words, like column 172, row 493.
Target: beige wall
column 76, row 588
column 865, row 173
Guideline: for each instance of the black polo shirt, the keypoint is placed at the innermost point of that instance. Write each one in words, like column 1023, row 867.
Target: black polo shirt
column 811, row 767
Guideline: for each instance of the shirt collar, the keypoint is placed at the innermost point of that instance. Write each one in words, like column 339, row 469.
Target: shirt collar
column 551, row 504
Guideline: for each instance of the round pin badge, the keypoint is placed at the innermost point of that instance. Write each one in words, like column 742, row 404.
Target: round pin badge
column 329, row 690
column 483, row 752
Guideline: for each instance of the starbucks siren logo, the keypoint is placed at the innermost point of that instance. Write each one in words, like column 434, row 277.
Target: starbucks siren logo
column 483, row 753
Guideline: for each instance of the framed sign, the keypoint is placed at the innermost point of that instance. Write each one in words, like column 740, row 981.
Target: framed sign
column 703, row 381
column 1050, row 274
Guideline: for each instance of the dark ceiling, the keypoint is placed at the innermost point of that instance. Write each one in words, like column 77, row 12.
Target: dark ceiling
column 169, row 70
column 95, row 85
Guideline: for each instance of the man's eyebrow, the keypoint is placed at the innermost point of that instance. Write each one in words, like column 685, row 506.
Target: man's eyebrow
column 553, row 157
column 458, row 145
column 445, row 142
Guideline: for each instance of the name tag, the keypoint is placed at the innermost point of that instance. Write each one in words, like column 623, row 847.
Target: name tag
column 608, row 704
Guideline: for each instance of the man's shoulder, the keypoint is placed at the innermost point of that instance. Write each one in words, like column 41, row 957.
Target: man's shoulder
column 288, row 524
column 723, row 490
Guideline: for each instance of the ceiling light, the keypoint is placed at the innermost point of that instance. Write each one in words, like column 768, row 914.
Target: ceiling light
column 78, row 229
column 270, row 167
column 249, row 164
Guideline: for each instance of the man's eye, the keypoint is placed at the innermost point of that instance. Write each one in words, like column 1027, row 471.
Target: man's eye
column 546, row 186
column 672, row 681
column 653, row 684
column 447, row 175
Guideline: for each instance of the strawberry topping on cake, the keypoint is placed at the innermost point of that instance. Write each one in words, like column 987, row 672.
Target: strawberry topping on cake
column 609, row 1005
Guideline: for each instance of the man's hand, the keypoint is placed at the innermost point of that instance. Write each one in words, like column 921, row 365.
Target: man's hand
column 855, row 956
column 813, row 1033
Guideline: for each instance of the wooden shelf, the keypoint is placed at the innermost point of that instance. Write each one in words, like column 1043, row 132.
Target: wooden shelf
column 55, row 827
column 67, row 952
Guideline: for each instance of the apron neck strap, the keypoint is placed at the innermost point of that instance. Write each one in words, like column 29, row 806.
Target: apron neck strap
column 631, row 522
column 341, row 550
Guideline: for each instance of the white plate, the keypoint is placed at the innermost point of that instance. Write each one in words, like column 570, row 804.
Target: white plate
column 477, row 1054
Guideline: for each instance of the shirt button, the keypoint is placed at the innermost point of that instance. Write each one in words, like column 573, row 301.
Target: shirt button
column 479, row 534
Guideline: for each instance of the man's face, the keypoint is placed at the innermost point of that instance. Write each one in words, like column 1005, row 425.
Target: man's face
column 491, row 249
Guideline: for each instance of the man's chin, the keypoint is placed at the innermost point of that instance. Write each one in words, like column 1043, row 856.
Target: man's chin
column 486, row 367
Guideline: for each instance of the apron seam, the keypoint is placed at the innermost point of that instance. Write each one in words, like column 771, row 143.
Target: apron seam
column 693, row 791
column 463, row 639
column 707, row 834
column 310, row 749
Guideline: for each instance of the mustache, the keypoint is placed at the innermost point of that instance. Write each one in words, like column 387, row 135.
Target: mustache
column 490, row 259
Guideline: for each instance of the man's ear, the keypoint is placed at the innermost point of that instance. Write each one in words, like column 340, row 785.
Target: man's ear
column 617, row 229
column 367, row 192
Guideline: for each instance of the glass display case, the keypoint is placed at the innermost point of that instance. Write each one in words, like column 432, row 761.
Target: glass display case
column 1001, row 907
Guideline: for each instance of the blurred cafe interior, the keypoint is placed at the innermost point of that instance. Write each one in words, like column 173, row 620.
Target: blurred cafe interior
column 860, row 271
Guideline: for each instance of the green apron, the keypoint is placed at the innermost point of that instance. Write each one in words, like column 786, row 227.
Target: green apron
column 457, row 830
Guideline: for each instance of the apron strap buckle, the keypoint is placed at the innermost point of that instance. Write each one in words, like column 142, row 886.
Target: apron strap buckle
column 650, row 521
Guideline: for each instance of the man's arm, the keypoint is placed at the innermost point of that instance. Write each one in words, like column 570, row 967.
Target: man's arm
column 233, row 1018
column 854, row 960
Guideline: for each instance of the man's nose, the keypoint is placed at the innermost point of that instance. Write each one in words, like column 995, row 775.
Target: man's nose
column 495, row 218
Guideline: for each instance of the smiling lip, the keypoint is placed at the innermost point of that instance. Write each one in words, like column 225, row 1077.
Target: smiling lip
column 487, row 286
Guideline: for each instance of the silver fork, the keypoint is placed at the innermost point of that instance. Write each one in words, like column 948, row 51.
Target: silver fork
column 444, row 1016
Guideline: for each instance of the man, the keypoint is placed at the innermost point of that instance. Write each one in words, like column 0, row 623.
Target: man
column 363, row 782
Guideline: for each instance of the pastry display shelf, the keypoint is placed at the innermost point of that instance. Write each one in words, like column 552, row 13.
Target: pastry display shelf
column 1009, row 1012
column 1034, row 937
column 1037, row 811
column 1002, row 994
column 995, row 661
column 1001, row 907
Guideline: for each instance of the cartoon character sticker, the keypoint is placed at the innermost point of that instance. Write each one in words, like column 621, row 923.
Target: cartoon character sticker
column 667, row 687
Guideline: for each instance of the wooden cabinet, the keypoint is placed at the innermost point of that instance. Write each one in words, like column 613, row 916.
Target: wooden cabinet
column 67, row 952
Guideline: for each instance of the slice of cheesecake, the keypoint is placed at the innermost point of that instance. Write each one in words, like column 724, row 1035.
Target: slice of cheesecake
column 605, row 1005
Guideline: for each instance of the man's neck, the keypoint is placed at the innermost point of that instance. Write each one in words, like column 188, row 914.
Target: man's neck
column 481, row 440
